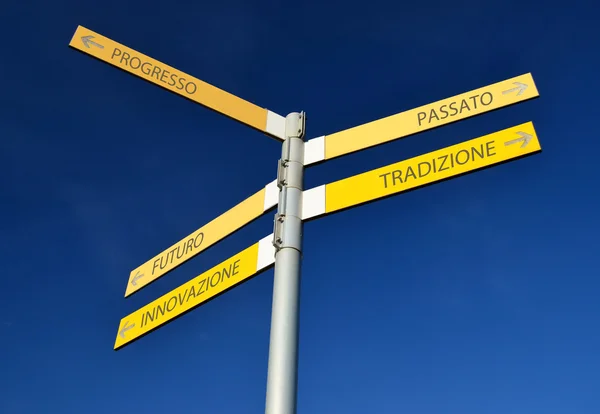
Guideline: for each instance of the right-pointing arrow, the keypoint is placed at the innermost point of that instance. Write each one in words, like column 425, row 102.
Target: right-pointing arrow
column 519, row 87
column 525, row 138
column 125, row 328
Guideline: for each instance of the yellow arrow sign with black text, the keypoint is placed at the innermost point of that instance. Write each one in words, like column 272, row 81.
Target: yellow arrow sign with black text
column 220, row 278
column 425, row 169
column 165, row 76
column 423, row 118
column 206, row 236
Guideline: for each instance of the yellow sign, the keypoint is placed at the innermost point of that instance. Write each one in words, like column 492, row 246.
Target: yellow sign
column 403, row 124
column 231, row 272
column 448, row 162
column 216, row 230
column 178, row 82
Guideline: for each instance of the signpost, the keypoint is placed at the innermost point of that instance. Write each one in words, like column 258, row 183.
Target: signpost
column 284, row 246
column 200, row 240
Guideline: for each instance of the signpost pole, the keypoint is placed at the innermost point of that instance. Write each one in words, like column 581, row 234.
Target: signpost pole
column 282, row 377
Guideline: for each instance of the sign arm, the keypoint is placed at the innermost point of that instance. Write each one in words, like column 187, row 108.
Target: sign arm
column 450, row 162
column 216, row 230
column 426, row 117
column 201, row 289
column 178, row 82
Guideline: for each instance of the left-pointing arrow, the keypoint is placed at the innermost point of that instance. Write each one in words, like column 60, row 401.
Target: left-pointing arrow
column 125, row 328
column 87, row 41
column 135, row 278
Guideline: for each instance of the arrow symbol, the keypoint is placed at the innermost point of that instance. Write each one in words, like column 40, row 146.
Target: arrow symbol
column 136, row 277
column 520, row 87
column 125, row 329
column 525, row 138
column 87, row 41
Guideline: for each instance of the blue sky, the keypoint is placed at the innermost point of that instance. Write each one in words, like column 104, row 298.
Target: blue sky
column 477, row 295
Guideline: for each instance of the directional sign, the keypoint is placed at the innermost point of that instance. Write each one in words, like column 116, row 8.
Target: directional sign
column 227, row 223
column 225, row 275
column 403, row 124
column 178, row 82
column 448, row 162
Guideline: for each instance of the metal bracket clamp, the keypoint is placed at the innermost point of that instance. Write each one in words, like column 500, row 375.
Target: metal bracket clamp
column 282, row 173
column 280, row 218
column 290, row 165
column 288, row 213
column 286, row 151
column 301, row 127
column 292, row 237
column 278, row 231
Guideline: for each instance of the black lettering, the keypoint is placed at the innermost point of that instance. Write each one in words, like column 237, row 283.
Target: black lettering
column 161, row 310
column 149, row 316
column 144, row 71
column 173, row 76
column 114, row 53
column 165, row 73
column 174, row 298
column 434, row 166
column 236, row 267
column 422, row 174
column 218, row 275
column 474, row 99
column 172, row 253
column 396, row 175
column 464, row 105
column 143, row 315
column 490, row 101
column 385, row 179
column 161, row 262
column 181, row 85
column 192, row 294
column 452, row 107
column 167, row 259
column 201, row 283
column 188, row 246
column 474, row 151
column 139, row 62
column 186, row 88
column 444, row 111
column 419, row 119
column 125, row 57
column 226, row 272
column 443, row 158
column 182, row 249
column 432, row 115
column 466, row 159
column 182, row 298
column 154, row 266
column 156, row 71
column 451, row 160
column 409, row 172
column 201, row 235
column 490, row 148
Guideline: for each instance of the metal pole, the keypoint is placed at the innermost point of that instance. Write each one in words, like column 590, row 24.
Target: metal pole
column 282, row 377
